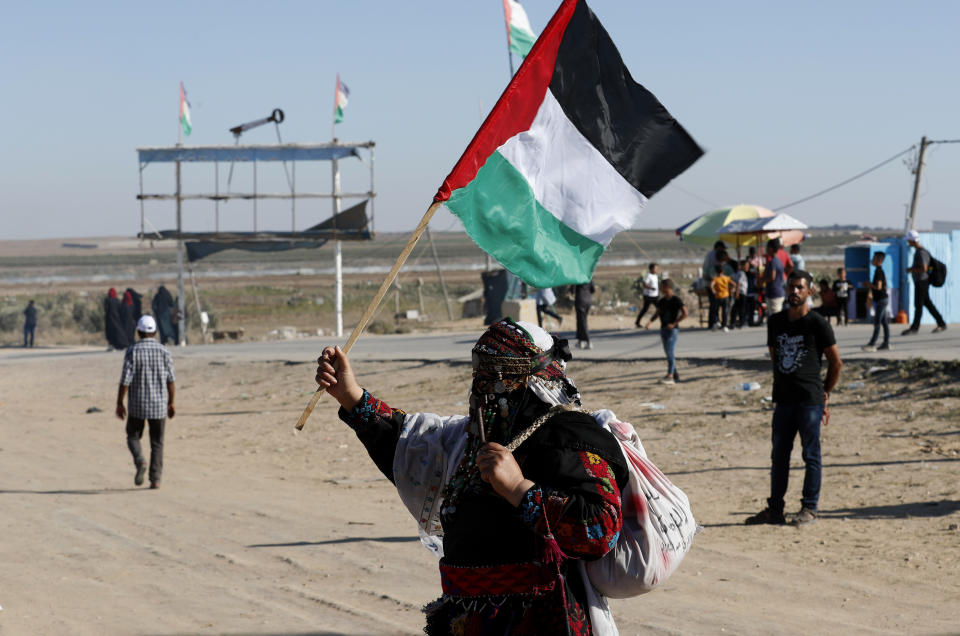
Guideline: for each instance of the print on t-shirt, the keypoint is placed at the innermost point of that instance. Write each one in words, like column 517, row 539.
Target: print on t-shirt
column 790, row 352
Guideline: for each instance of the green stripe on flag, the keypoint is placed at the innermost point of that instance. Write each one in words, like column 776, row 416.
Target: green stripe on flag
column 521, row 41
column 500, row 212
column 338, row 115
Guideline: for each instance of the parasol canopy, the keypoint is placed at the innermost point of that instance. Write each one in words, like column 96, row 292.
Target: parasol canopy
column 783, row 226
column 703, row 229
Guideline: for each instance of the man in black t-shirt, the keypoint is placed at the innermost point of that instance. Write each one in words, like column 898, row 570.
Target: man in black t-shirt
column 798, row 339
column 671, row 311
column 881, row 308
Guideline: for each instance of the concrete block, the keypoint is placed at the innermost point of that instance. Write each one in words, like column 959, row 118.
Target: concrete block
column 523, row 309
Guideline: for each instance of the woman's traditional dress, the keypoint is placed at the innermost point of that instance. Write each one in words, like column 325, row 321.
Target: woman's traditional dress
column 509, row 569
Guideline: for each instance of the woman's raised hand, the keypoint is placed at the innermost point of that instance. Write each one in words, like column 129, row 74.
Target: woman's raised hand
column 335, row 375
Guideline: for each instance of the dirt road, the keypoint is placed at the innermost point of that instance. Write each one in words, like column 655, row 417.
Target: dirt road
column 260, row 530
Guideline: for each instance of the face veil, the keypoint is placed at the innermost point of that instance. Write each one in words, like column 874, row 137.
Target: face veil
column 518, row 373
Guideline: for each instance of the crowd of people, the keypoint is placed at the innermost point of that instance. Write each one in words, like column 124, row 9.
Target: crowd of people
column 120, row 317
column 747, row 292
column 744, row 292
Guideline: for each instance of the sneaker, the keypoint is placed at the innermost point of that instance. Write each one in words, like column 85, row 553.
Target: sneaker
column 589, row 345
column 154, row 485
column 868, row 348
column 141, row 471
column 676, row 376
column 909, row 332
column 765, row 516
column 805, row 516
column 726, row 330
column 666, row 380
column 939, row 328
column 884, row 347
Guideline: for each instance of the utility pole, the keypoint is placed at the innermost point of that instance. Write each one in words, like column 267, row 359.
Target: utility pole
column 337, row 248
column 912, row 218
column 181, row 300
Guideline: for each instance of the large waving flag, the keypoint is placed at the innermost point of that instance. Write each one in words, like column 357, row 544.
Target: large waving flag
column 520, row 36
column 340, row 100
column 567, row 158
column 185, row 112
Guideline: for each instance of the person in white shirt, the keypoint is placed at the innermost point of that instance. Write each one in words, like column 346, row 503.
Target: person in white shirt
column 739, row 315
column 651, row 290
column 545, row 300
column 798, row 260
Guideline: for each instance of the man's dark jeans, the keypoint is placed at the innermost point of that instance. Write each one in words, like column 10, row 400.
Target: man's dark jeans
column 713, row 308
column 135, row 432
column 921, row 299
column 788, row 420
column 669, row 339
column 648, row 301
column 582, row 311
column 881, row 318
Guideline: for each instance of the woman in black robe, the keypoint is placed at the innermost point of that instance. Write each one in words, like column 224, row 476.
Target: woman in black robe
column 536, row 488
column 137, row 304
column 113, row 321
column 163, row 313
column 129, row 318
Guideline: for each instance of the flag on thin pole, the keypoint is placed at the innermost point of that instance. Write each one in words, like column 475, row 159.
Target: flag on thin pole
column 520, row 36
column 340, row 100
column 567, row 158
column 185, row 124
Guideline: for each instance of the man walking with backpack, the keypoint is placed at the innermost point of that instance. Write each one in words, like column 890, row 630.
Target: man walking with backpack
column 921, row 285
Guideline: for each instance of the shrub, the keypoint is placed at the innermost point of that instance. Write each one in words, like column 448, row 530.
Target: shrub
column 11, row 318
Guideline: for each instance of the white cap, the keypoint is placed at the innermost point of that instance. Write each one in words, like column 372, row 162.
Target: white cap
column 147, row 324
column 540, row 337
column 912, row 235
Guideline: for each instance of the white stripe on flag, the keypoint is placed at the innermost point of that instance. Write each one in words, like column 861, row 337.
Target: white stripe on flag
column 518, row 17
column 570, row 178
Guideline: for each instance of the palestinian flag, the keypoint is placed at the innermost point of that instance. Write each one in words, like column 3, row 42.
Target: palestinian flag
column 340, row 100
column 520, row 36
column 185, row 112
column 567, row 158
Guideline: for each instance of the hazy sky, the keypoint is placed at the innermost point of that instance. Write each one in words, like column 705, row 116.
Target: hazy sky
column 786, row 98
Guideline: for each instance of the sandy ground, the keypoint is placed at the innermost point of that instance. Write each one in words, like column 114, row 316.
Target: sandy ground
column 258, row 529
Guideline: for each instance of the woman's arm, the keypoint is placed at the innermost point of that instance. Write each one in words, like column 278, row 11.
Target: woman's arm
column 376, row 424
column 584, row 514
column 581, row 507
column 335, row 374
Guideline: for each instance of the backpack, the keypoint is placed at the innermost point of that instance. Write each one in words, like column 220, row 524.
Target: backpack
column 658, row 525
column 937, row 272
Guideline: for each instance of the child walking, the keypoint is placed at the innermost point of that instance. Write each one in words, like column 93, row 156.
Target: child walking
column 671, row 311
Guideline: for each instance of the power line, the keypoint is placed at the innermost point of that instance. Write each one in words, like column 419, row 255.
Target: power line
column 696, row 196
column 851, row 179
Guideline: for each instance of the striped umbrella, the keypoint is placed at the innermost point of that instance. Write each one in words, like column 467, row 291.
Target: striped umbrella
column 703, row 229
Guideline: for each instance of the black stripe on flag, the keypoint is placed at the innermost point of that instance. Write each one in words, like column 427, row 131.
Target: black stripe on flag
column 622, row 119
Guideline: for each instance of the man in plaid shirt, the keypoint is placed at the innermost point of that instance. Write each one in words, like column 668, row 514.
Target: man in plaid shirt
column 147, row 366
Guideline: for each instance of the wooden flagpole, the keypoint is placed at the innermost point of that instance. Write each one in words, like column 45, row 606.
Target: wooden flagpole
column 372, row 307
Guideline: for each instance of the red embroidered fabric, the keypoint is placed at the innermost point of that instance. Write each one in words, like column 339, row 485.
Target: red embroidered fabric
column 581, row 529
column 497, row 580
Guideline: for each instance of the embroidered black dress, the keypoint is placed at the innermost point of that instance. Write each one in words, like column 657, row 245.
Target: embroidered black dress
column 513, row 569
